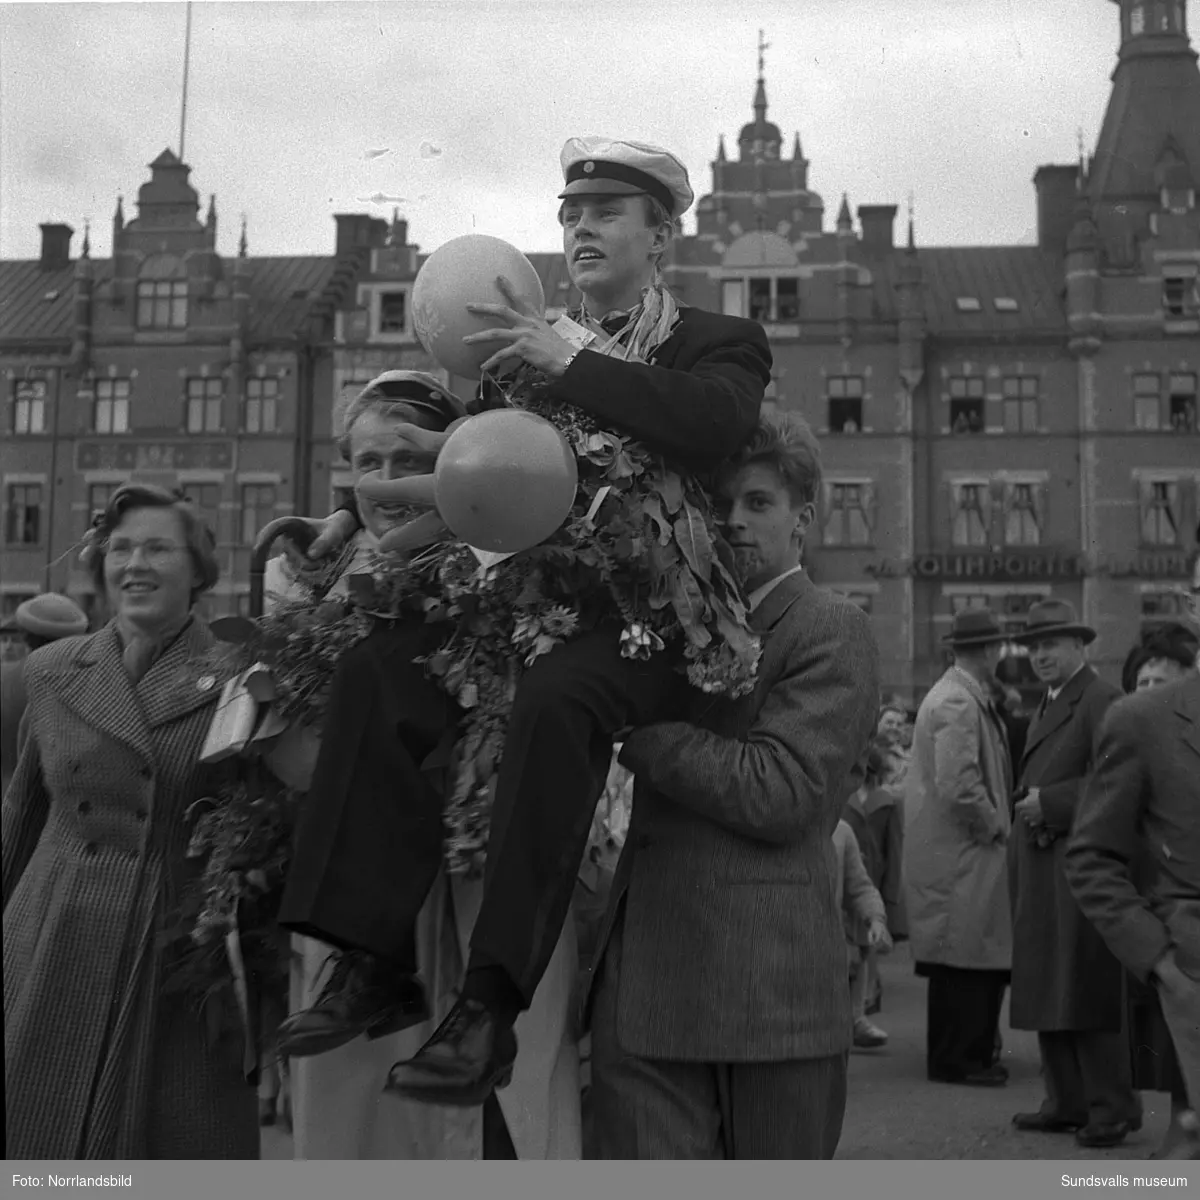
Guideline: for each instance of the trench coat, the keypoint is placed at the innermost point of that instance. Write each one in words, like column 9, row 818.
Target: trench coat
column 1064, row 977
column 957, row 822
column 98, row 1063
column 12, row 710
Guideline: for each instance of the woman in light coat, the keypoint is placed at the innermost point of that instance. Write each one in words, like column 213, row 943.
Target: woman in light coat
column 98, row 1061
column 339, row 1108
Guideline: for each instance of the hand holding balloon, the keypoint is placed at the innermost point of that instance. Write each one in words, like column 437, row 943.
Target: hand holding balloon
column 526, row 337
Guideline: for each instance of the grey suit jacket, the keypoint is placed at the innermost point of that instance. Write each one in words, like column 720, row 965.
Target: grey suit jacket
column 732, row 939
column 1142, row 806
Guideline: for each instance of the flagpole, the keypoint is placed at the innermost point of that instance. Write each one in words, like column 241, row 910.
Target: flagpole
column 187, row 48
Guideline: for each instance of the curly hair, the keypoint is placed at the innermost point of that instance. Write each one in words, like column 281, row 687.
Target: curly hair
column 199, row 539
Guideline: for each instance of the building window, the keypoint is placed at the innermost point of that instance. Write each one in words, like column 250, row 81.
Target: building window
column 1146, row 407
column 204, row 396
column 206, row 498
column 787, row 299
column 393, row 312
column 1022, row 514
column 258, row 509
column 971, row 514
column 1021, row 404
column 966, row 404
column 162, row 304
column 24, row 524
column 29, row 406
column 845, row 394
column 848, row 513
column 110, row 413
column 1164, row 605
column 1160, row 512
column 99, row 494
column 262, row 405
column 1181, row 296
column 760, row 300
column 1181, row 398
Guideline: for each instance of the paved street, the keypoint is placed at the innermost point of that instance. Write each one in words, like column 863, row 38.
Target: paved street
column 894, row 1112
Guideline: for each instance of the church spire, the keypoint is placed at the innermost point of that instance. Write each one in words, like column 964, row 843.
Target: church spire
column 760, row 92
column 243, row 245
column 845, row 223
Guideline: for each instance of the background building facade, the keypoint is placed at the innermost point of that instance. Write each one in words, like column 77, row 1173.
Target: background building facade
column 1000, row 423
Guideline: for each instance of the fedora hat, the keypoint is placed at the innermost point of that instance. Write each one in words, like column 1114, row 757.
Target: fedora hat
column 975, row 627
column 1051, row 619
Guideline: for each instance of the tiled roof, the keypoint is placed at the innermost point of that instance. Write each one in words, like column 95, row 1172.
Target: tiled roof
column 36, row 305
column 986, row 274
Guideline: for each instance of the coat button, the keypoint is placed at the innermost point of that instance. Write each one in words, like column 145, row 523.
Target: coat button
column 90, row 849
column 85, row 807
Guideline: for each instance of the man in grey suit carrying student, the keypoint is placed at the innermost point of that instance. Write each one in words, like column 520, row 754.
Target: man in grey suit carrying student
column 719, row 1004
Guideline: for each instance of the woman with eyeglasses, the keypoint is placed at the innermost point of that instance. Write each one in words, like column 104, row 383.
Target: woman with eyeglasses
column 102, row 1061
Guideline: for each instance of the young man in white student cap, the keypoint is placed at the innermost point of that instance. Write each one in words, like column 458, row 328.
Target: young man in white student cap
column 689, row 385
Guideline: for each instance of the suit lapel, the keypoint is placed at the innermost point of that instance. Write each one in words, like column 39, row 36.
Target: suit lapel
column 96, row 687
column 778, row 600
column 1058, row 711
column 174, row 686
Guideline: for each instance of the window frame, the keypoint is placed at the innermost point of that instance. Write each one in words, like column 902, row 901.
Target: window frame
column 982, row 490
column 1021, row 395
column 262, row 405
column 38, row 404
column 207, row 399
column 847, row 391
column 161, row 304
column 115, row 402
column 838, row 489
column 248, row 536
column 1150, row 502
column 968, row 398
column 12, row 508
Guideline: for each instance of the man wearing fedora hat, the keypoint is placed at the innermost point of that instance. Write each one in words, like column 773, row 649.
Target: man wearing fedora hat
column 41, row 620
column 1066, row 984
column 956, row 825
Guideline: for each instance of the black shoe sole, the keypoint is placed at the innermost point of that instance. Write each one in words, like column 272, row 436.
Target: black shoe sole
column 471, row 1096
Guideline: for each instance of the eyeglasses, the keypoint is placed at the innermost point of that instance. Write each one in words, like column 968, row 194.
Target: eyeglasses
column 155, row 551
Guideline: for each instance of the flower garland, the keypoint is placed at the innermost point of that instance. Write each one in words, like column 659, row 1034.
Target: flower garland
column 640, row 541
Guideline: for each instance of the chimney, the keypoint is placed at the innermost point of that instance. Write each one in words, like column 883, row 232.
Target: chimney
column 56, row 246
column 878, row 221
column 355, row 230
column 1056, row 186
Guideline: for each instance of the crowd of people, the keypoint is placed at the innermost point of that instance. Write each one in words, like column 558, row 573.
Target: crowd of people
column 679, row 972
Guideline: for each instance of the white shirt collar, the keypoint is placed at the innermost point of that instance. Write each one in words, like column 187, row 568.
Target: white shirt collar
column 759, row 594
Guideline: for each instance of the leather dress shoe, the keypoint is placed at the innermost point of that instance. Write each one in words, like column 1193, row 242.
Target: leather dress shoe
column 1098, row 1136
column 361, row 996
column 1042, row 1122
column 469, row 1055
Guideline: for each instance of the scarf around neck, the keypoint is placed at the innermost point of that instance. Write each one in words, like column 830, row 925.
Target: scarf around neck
column 643, row 330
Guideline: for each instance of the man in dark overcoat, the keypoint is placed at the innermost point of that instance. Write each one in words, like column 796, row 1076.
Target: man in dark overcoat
column 1066, row 983
column 1133, row 860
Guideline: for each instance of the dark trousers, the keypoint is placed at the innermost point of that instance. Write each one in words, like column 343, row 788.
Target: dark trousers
column 962, row 1019
column 369, row 839
column 1088, row 1077
column 569, row 705
column 369, row 844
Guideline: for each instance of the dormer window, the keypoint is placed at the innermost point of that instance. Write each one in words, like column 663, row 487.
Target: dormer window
column 968, row 304
column 393, row 309
column 162, row 304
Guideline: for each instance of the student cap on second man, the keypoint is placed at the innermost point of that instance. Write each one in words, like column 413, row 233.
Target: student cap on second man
column 596, row 166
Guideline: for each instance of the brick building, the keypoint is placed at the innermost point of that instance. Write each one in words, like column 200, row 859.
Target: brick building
column 1000, row 423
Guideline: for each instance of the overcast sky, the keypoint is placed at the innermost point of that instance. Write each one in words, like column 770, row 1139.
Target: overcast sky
column 298, row 110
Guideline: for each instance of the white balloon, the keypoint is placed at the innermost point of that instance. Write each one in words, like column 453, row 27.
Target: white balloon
column 464, row 271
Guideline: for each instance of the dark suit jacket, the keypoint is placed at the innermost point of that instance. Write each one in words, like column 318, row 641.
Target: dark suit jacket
column 1142, row 806
column 1063, row 976
column 732, row 938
